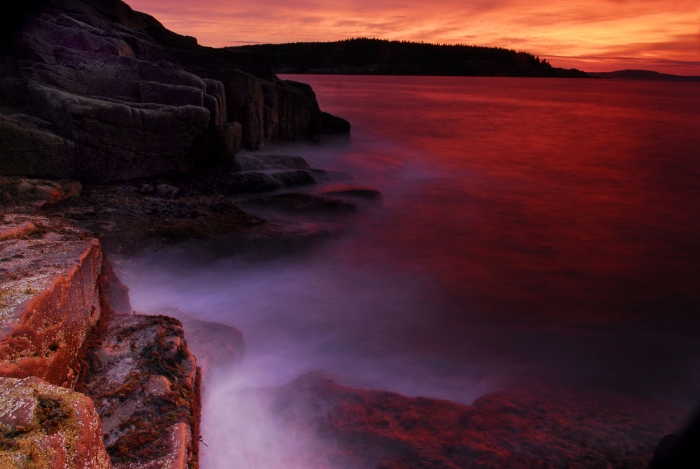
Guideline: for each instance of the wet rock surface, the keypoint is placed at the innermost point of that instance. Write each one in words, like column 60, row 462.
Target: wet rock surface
column 516, row 429
column 48, row 427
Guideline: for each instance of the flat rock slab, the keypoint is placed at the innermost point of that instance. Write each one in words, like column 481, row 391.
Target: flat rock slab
column 48, row 427
column 49, row 297
column 145, row 385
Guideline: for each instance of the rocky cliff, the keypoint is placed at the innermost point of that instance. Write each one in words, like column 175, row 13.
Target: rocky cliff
column 92, row 90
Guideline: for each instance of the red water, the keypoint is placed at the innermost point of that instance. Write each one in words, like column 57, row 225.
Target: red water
column 564, row 198
column 566, row 210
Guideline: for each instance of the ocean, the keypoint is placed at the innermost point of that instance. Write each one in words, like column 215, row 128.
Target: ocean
column 533, row 232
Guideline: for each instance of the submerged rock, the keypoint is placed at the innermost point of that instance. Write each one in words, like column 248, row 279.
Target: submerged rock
column 302, row 203
column 254, row 162
column 48, row 427
column 348, row 190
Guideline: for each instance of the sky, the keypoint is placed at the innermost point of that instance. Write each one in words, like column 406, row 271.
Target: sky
column 592, row 35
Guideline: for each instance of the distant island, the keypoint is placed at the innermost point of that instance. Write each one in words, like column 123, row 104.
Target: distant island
column 643, row 75
column 363, row 56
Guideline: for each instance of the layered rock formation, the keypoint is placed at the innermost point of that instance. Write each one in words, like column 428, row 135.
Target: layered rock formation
column 92, row 90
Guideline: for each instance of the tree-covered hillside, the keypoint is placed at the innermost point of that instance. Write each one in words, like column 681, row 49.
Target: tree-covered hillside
column 382, row 57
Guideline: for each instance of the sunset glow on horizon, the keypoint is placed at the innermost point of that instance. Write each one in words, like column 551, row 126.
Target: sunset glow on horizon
column 592, row 35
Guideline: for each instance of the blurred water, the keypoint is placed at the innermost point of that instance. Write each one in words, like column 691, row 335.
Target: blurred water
column 533, row 231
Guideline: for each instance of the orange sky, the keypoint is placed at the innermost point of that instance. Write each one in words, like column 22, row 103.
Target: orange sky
column 593, row 35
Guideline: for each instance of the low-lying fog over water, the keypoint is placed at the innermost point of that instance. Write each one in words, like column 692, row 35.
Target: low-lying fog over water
column 533, row 231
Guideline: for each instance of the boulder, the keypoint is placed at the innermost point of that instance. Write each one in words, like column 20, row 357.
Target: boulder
column 232, row 138
column 245, row 103
column 48, row 427
column 215, row 101
column 300, row 177
column 144, row 382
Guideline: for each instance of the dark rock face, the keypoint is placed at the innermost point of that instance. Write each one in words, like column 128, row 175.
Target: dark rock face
column 516, row 429
column 90, row 90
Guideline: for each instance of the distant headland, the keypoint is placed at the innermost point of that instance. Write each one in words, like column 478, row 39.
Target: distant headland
column 364, row 56
column 644, row 75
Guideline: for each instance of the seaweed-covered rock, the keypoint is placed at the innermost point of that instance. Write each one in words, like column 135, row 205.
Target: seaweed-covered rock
column 144, row 382
column 48, row 427
column 518, row 429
